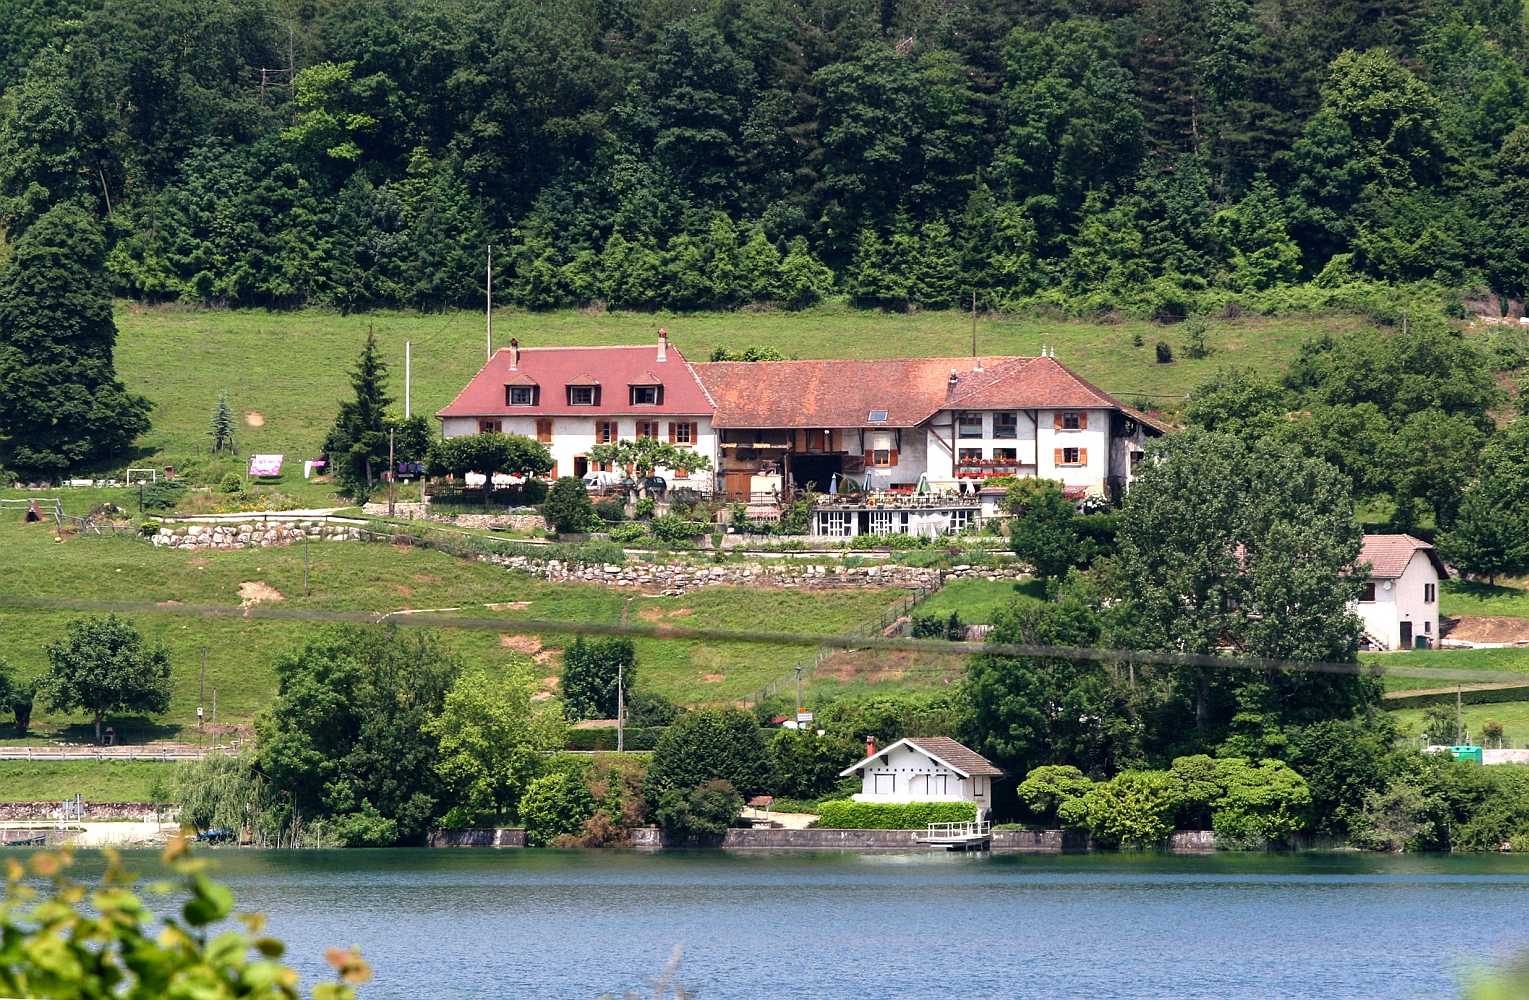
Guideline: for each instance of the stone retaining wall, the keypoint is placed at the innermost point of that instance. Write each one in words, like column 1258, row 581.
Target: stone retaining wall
column 1018, row 841
column 251, row 534
column 94, row 811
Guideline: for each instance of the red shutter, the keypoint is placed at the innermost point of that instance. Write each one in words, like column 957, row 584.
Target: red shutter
column 671, row 432
column 695, row 432
column 1083, row 420
column 553, row 473
column 894, row 457
column 801, row 440
column 1056, row 420
column 870, row 459
column 1057, row 458
column 1082, row 456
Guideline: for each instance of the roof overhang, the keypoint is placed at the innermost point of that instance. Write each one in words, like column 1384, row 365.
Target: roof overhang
column 850, row 771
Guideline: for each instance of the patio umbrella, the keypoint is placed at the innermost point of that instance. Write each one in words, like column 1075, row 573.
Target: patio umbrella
column 833, row 485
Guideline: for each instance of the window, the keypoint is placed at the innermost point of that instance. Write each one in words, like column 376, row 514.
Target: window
column 977, row 788
column 969, row 426
column 1430, row 593
column 519, row 395
column 682, row 433
column 644, row 395
column 605, row 431
column 1006, row 455
column 888, row 522
column 883, row 450
column 881, row 458
column 883, row 784
column 544, row 430
column 1072, row 456
column 1367, row 595
column 581, row 395
column 878, row 416
column 965, row 455
column 489, row 427
column 647, row 428
column 939, row 784
column 1428, row 628
column 1006, row 425
column 835, row 523
column 1072, row 420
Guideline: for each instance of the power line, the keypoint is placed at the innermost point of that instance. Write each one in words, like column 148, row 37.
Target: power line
column 761, row 637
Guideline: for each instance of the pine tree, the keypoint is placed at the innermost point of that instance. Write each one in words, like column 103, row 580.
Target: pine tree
column 358, row 441
column 222, row 431
column 759, row 269
column 61, row 403
column 804, row 280
column 936, row 279
column 867, row 281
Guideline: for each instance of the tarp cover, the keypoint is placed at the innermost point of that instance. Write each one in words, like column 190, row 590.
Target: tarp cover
column 265, row 465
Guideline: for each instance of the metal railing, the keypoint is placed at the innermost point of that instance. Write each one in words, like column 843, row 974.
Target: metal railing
column 966, row 830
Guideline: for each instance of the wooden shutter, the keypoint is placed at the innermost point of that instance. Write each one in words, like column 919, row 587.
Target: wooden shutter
column 671, row 432
column 597, row 395
column 544, row 430
column 553, row 473
column 1056, row 420
column 870, row 459
column 658, row 396
column 536, row 395
column 695, row 432
column 801, row 440
column 894, row 457
column 1083, row 420
column 1082, row 456
column 835, row 440
column 1057, row 458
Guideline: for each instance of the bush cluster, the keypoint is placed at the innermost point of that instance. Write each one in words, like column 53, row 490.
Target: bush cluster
column 848, row 815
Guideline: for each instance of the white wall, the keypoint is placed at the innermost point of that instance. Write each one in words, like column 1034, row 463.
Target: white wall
column 1403, row 602
column 575, row 436
column 912, row 459
column 1036, row 444
column 909, row 773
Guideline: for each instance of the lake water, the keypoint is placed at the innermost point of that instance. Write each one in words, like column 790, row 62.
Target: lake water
column 556, row 924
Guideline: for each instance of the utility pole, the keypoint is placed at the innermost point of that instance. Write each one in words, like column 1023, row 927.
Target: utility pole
column 489, row 310
column 306, row 564
column 620, row 708
column 392, row 472
column 798, row 696
column 201, row 698
column 214, row 708
column 408, row 379
column 1459, row 722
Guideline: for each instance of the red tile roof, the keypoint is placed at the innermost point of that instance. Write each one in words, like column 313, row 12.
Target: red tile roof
column 555, row 368
column 956, row 755
column 843, row 393
column 1388, row 555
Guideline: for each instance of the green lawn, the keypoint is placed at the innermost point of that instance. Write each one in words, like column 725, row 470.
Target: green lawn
column 1465, row 597
column 290, row 369
column 351, row 576
column 1514, row 716
column 97, row 781
column 1510, row 659
column 979, row 601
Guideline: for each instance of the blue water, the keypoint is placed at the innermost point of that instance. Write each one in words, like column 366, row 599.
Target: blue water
column 579, row 924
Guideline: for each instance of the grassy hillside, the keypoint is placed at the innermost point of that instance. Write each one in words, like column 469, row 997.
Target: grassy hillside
column 382, row 578
column 97, row 781
column 289, row 370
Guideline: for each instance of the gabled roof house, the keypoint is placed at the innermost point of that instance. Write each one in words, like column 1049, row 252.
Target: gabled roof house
column 932, row 427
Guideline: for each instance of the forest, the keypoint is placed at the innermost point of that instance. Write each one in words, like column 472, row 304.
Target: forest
column 1154, row 157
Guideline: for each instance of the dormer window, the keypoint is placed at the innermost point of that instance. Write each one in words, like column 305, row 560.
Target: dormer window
column 582, row 395
column 519, row 395
column 645, row 395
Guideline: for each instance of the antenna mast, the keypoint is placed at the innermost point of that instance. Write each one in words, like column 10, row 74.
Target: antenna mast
column 489, row 310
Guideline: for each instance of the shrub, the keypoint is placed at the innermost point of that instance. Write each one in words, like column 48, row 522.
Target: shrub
column 671, row 529
column 610, row 511
column 1267, row 801
column 700, row 813
column 1053, row 792
column 844, row 814
column 706, row 744
column 567, row 507
column 1195, row 332
column 645, row 708
column 555, row 805
column 1164, row 353
column 644, row 509
column 163, row 494
column 604, row 738
column 232, row 483
column 597, row 552
column 1134, row 807
column 628, row 533
column 935, row 627
column 806, row 764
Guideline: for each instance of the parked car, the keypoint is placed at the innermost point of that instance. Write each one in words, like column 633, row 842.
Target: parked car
column 655, row 485
column 601, row 482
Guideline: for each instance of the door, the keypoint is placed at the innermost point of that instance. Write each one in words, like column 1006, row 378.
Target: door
column 1406, row 635
column 736, row 484
column 580, row 466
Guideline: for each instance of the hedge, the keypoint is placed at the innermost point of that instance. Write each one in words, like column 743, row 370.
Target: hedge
column 846, row 815
column 604, row 738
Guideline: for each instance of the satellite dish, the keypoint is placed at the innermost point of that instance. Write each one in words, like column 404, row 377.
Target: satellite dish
column 1386, row 585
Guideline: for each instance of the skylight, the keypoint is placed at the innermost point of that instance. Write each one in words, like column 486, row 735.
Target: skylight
column 878, row 416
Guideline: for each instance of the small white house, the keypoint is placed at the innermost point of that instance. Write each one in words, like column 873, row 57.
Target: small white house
column 1400, row 602
column 925, row 769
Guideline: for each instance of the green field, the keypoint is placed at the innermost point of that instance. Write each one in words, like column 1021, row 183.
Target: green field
column 1465, row 597
column 351, row 576
column 979, row 601
column 290, row 369
column 1515, row 660
column 1514, row 716
column 97, row 781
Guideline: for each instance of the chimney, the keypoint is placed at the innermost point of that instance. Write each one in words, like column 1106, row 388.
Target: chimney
column 950, row 387
column 870, row 747
column 663, row 345
column 514, row 354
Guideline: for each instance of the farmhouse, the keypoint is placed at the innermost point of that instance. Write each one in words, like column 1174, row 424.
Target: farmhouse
column 1400, row 601
column 890, row 445
column 924, row 769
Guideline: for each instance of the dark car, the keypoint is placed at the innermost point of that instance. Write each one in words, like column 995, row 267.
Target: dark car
column 655, row 484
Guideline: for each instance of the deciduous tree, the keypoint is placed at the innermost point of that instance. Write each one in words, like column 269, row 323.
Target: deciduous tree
column 102, row 666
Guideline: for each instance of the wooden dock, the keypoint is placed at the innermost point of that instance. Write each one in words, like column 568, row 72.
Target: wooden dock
column 969, row 836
